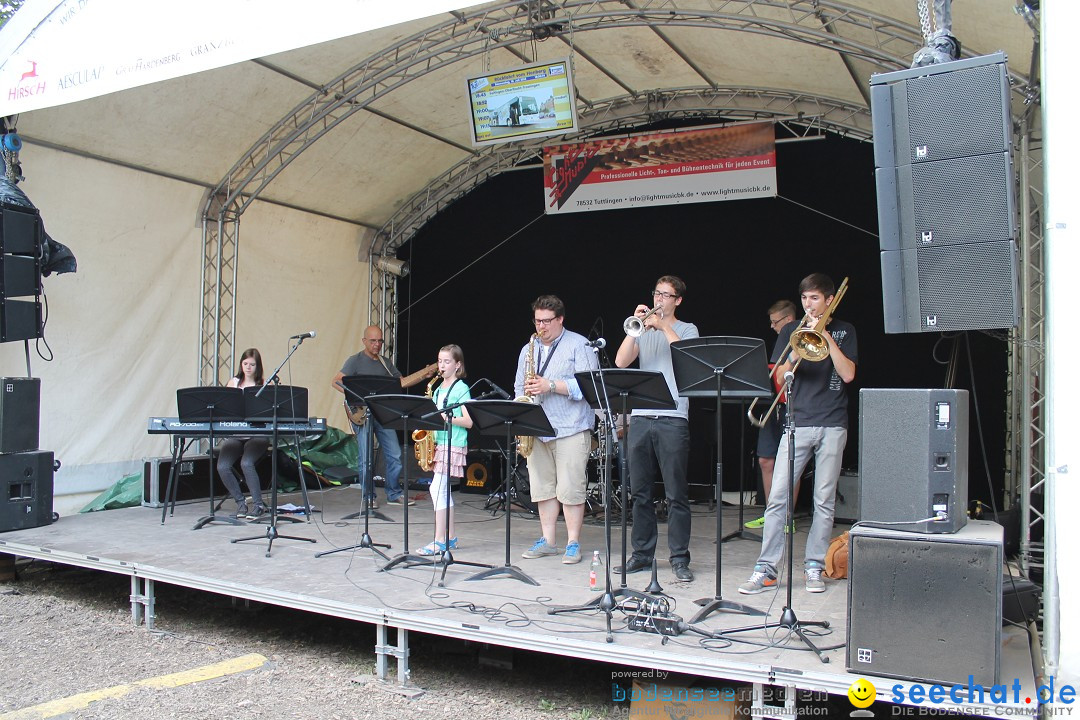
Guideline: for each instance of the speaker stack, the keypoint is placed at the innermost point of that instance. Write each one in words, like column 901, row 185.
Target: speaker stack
column 947, row 216
column 20, row 273
column 924, row 595
column 26, row 474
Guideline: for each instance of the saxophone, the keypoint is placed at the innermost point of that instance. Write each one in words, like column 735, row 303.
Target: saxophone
column 424, row 440
column 525, row 442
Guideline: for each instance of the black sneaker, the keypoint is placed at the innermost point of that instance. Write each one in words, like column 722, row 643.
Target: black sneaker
column 257, row 513
column 241, row 510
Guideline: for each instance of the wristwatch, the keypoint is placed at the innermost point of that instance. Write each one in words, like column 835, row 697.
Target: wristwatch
column 552, row 385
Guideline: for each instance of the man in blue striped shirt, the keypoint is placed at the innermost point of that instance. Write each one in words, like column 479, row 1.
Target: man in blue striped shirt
column 557, row 474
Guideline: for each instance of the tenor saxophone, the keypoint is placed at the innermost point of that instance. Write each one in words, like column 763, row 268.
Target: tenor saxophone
column 424, row 440
column 525, row 442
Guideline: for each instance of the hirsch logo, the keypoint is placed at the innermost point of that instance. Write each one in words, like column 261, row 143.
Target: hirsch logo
column 28, row 86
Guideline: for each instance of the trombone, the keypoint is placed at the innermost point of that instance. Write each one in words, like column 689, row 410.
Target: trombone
column 809, row 343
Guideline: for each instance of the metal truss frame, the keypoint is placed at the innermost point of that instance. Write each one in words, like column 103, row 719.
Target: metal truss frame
column 851, row 31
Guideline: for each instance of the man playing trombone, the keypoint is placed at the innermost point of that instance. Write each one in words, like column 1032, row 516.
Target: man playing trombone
column 659, row 439
column 819, row 407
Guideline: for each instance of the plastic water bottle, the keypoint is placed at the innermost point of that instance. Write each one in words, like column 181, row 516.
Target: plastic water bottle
column 595, row 569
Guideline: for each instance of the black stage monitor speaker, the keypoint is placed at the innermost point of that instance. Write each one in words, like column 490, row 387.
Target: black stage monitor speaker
column 913, row 458
column 946, row 200
column 20, row 400
column 926, row 608
column 26, row 490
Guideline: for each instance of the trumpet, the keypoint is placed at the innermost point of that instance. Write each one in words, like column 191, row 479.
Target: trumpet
column 634, row 325
column 808, row 342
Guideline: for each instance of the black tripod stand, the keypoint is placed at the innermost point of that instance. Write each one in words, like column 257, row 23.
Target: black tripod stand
column 357, row 388
column 208, row 405
column 407, row 413
column 294, row 401
column 492, row 417
column 732, row 369
column 634, row 389
column 788, row 618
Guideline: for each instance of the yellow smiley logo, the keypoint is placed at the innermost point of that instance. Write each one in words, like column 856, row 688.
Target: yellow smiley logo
column 862, row 693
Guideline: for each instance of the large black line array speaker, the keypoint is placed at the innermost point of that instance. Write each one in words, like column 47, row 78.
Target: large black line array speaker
column 947, row 215
column 926, row 608
column 913, row 458
column 20, row 273
column 26, row 490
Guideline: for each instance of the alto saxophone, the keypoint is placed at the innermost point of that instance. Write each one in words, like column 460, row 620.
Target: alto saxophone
column 424, row 440
column 525, row 442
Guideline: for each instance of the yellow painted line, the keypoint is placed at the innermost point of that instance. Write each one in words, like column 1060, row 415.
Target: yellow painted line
column 72, row 703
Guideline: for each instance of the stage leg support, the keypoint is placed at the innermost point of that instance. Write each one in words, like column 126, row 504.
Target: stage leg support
column 142, row 601
column 760, row 707
column 400, row 652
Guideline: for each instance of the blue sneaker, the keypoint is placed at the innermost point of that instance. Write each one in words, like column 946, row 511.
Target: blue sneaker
column 572, row 554
column 540, row 549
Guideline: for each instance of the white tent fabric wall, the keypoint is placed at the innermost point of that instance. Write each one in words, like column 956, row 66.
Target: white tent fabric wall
column 124, row 327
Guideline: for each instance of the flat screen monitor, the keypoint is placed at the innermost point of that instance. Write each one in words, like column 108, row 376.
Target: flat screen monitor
column 531, row 101
column 291, row 403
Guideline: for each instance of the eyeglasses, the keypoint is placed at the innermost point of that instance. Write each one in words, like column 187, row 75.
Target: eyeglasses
column 378, row 341
column 782, row 321
column 544, row 321
column 665, row 295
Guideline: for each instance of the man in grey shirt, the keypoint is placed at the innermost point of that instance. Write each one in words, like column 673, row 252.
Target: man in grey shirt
column 659, row 439
column 371, row 362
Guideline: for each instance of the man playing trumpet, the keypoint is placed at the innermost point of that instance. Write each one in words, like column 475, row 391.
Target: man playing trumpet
column 659, row 439
column 818, row 404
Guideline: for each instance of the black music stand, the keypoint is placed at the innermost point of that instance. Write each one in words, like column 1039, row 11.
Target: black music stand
column 632, row 389
column 209, row 405
column 508, row 418
column 405, row 413
column 360, row 387
column 731, row 369
column 283, row 402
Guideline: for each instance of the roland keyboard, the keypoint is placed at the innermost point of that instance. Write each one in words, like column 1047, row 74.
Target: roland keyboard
column 227, row 428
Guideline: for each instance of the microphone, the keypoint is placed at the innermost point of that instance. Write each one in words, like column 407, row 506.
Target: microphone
column 498, row 390
column 597, row 343
column 302, row 336
column 789, row 376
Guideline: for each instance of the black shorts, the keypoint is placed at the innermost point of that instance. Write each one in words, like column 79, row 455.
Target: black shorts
column 768, row 439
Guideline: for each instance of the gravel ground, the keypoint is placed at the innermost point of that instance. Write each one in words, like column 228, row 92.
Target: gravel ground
column 65, row 631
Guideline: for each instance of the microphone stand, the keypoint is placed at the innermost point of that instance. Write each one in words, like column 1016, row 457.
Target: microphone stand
column 271, row 529
column 447, row 557
column 788, row 619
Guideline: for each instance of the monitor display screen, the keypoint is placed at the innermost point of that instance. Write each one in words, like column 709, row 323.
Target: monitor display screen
column 534, row 100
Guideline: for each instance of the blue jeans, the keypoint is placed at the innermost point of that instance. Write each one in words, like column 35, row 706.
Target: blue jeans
column 827, row 445
column 391, row 449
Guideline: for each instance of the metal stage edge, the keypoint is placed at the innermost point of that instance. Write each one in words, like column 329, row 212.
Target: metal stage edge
column 645, row 651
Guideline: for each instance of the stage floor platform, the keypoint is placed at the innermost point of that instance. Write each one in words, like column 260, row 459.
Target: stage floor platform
column 502, row 610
